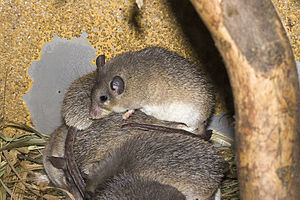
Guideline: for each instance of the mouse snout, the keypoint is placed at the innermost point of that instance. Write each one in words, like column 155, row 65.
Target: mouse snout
column 96, row 112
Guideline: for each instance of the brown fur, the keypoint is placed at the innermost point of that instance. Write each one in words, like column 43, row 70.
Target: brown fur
column 77, row 102
column 130, row 187
column 154, row 76
column 200, row 166
column 191, row 165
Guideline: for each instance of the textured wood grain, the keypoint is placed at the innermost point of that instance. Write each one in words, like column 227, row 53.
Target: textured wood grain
column 262, row 72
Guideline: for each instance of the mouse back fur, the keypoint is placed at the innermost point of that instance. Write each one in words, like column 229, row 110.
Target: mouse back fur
column 159, row 82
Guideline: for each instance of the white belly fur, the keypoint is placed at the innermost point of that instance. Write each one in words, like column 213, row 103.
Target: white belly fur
column 176, row 112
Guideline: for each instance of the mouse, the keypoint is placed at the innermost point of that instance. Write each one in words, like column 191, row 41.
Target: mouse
column 77, row 102
column 106, row 150
column 159, row 82
column 189, row 164
column 54, row 153
column 129, row 186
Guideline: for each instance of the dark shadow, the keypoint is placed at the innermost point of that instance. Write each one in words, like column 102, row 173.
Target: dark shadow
column 202, row 43
column 134, row 21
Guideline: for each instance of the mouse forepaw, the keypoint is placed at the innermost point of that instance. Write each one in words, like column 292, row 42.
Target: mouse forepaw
column 127, row 114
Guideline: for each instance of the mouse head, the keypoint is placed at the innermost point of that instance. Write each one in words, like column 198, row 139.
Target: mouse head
column 106, row 91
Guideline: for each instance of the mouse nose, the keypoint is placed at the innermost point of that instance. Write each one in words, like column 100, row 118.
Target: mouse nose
column 96, row 112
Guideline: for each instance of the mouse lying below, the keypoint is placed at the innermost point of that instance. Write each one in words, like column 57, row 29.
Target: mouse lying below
column 105, row 151
column 128, row 186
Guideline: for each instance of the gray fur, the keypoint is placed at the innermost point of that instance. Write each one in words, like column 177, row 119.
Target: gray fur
column 192, row 166
column 77, row 102
column 104, row 150
column 154, row 76
column 131, row 187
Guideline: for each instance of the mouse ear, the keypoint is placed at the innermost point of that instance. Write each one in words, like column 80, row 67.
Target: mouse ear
column 58, row 162
column 100, row 62
column 117, row 85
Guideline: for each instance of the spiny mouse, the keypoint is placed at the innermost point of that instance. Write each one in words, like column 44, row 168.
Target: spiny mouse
column 77, row 102
column 159, row 82
column 130, row 187
column 191, row 165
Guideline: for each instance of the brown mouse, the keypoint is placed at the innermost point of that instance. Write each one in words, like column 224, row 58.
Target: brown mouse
column 159, row 82
column 130, row 187
column 105, row 150
column 54, row 152
column 191, row 165
column 77, row 103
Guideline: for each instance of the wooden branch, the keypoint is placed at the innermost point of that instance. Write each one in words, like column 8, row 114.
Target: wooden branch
column 263, row 75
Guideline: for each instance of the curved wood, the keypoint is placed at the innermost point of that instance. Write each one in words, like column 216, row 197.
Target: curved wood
column 263, row 75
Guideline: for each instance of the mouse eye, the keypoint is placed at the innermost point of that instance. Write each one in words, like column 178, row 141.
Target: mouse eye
column 103, row 98
column 117, row 85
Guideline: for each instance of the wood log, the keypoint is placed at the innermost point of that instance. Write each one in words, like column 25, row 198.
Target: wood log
column 263, row 75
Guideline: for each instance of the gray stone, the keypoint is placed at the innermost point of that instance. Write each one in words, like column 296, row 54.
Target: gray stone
column 62, row 61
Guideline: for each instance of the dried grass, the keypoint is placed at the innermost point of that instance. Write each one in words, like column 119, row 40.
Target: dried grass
column 21, row 165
